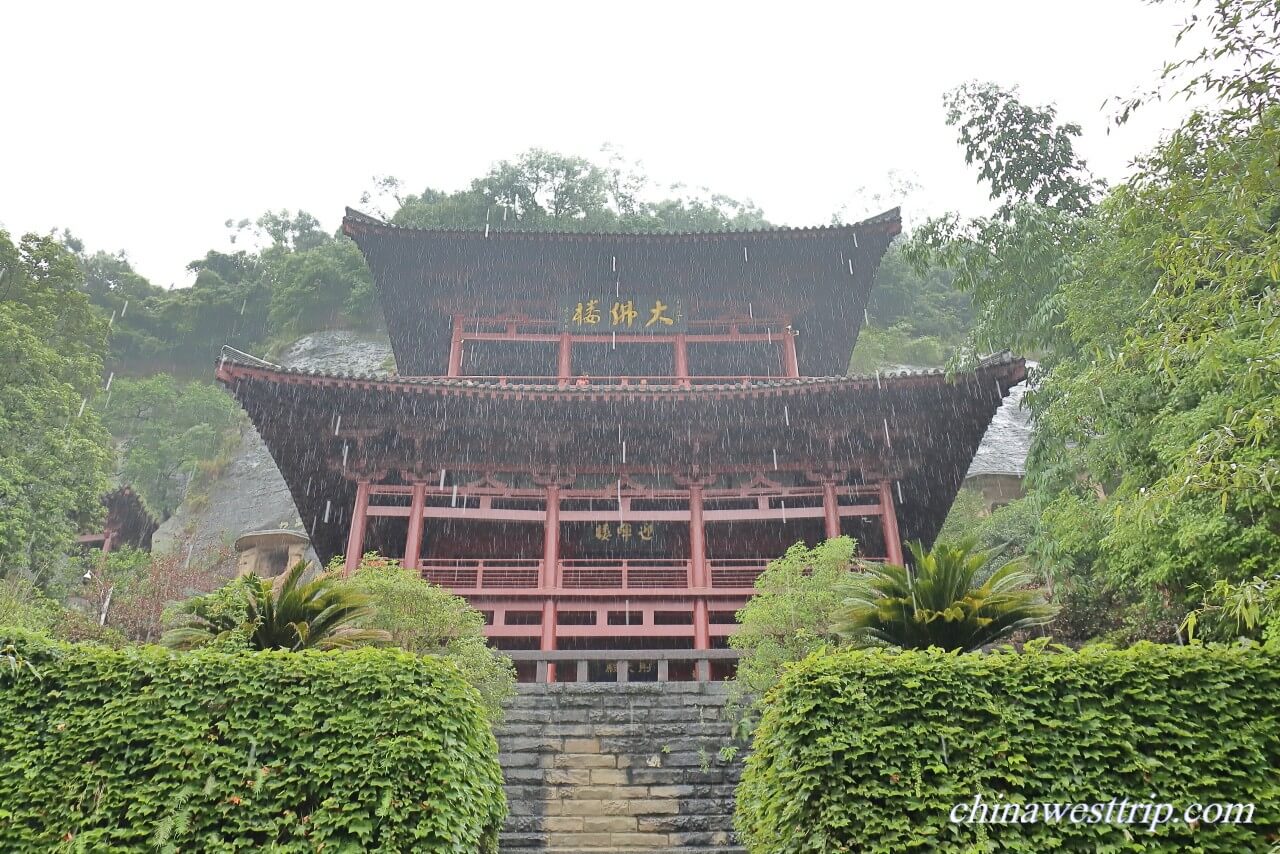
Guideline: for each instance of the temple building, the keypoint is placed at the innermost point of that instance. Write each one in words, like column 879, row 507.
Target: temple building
column 602, row 439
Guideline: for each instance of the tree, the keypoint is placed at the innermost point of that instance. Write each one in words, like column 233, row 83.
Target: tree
column 297, row 614
column 941, row 602
column 167, row 431
column 54, row 453
column 792, row 613
column 130, row 591
column 429, row 620
column 1154, row 309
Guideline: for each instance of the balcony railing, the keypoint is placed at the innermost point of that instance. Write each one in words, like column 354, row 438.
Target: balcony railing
column 523, row 574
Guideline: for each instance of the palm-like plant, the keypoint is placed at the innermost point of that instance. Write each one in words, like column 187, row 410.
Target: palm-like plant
column 939, row 603
column 317, row 614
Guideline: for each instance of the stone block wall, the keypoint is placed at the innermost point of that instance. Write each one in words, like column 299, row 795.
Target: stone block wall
column 619, row 767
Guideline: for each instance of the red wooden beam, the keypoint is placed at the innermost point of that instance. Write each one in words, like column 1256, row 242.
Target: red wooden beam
column 889, row 521
column 413, row 542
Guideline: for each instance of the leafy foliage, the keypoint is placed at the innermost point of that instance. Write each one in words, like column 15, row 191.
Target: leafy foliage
column 429, row 620
column 296, row 614
column 1155, row 462
column 792, row 613
column 140, row 749
column 54, row 454
column 870, row 750
column 943, row 600
column 1250, row 609
column 169, row 432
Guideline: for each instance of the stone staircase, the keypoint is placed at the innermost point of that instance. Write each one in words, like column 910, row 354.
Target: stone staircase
column 609, row 767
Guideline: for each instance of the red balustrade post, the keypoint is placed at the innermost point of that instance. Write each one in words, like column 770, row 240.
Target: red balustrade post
column 682, row 358
column 564, row 363
column 547, row 578
column 790, row 362
column 889, row 523
column 455, row 347
column 830, row 508
column 413, row 542
column 355, row 535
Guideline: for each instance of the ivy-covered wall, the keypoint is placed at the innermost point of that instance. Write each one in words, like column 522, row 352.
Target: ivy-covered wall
column 871, row 751
column 143, row 750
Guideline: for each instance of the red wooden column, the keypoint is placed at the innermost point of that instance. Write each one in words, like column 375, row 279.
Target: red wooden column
column 564, row 363
column 547, row 578
column 790, row 362
column 698, row 578
column 682, row 358
column 355, row 535
column 413, row 542
column 889, row 522
column 830, row 509
column 455, row 347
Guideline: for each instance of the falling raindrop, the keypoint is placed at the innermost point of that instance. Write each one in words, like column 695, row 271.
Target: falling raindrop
column 314, row 519
column 866, row 318
column 850, row 266
column 887, row 440
column 243, row 303
column 898, row 483
column 327, row 508
column 110, row 377
column 615, row 263
column 786, row 416
column 486, row 229
column 453, row 499
column 855, row 240
column 441, row 480
column 308, row 486
column 624, row 452
column 83, row 401
column 345, row 449
column 744, row 253
column 750, row 312
column 123, row 310
column 878, row 378
column 775, row 459
column 337, row 423
column 615, row 340
column 783, row 504
column 112, row 321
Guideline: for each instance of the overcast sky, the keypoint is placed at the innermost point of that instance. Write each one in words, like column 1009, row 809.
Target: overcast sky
column 145, row 128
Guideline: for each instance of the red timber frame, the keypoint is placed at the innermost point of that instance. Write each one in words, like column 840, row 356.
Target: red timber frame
column 647, row 585
column 778, row 333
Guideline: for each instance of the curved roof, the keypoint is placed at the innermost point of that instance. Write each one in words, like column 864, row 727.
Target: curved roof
column 820, row 278
column 326, row 430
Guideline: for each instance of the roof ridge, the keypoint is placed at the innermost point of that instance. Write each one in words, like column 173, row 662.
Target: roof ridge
column 356, row 218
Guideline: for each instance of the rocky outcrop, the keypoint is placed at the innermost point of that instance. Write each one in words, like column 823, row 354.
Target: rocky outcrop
column 250, row 494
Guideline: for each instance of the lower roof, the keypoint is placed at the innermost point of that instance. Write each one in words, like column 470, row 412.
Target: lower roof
column 325, row 431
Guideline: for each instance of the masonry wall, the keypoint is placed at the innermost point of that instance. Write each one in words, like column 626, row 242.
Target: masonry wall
column 619, row 767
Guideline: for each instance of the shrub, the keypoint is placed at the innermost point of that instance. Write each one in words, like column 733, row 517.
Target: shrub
column 797, row 600
column 429, row 620
column 142, row 750
column 870, row 750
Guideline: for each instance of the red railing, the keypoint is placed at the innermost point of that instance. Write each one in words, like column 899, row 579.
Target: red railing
column 509, row 574
column 735, row 572
column 624, row 574
column 588, row 574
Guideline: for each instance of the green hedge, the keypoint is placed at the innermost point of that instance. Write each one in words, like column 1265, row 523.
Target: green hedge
column 870, row 751
column 144, row 750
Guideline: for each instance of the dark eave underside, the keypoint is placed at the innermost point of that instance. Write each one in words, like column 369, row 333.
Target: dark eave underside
column 921, row 430
column 821, row 276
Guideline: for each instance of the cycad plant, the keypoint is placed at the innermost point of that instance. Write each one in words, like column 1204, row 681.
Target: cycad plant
column 939, row 602
column 316, row 614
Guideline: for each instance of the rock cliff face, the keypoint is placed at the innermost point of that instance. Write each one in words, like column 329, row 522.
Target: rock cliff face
column 250, row 494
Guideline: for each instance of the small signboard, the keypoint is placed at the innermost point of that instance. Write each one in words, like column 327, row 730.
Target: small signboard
column 633, row 315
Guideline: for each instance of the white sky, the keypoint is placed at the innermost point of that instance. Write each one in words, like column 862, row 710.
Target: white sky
column 146, row 127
